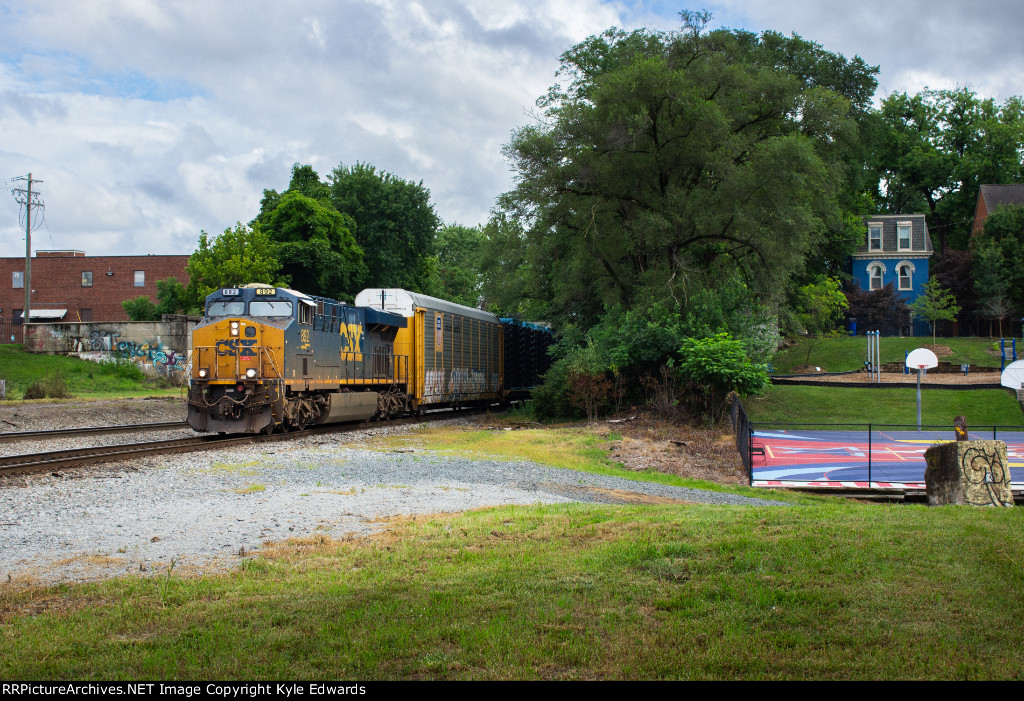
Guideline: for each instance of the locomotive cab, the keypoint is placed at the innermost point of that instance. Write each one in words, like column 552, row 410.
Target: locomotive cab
column 267, row 358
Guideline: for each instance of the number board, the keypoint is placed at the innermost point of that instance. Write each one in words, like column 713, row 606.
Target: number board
column 266, row 291
column 229, row 292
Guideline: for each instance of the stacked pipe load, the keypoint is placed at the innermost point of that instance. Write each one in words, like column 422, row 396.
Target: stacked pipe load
column 526, row 353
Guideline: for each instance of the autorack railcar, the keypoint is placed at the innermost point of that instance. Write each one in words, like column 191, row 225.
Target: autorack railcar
column 456, row 353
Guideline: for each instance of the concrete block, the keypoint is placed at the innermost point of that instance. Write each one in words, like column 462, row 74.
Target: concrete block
column 968, row 472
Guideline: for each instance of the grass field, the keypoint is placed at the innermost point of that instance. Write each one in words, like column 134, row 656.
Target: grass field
column 794, row 404
column 83, row 378
column 844, row 353
column 827, row 589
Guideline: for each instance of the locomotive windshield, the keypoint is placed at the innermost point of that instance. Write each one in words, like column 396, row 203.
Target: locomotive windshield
column 226, row 308
column 268, row 308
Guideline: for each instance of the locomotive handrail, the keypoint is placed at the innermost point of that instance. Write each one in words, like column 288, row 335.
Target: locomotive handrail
column 196, row 357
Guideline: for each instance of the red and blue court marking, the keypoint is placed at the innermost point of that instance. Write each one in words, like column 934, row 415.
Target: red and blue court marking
column 818, row 458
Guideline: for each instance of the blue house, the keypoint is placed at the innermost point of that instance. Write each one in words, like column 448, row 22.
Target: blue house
column 897, row 249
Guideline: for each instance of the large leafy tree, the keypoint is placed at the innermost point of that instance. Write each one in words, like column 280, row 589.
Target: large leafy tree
column 998, row 270
column 933, row 150
column 670, row 161
column 395, row 225
column 313, row 241
column 237, row 257
column 315, row 246
column 458, row 263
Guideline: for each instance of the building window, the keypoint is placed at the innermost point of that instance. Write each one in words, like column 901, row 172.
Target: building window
column 875, row 271
column 874, row 237
column 140, row 278
column 86, row 278
column 85, row 314
column 903, row 236
column 18, row 279
column 905, row 271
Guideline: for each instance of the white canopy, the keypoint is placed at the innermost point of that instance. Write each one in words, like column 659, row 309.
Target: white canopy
column 46, row 313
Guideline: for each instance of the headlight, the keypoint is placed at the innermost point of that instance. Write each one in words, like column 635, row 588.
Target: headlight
column 234, row 328
column 203, row 372
column 251, row 373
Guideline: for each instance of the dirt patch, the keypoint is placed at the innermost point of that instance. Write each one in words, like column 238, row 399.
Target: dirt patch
column 940, row 350
column 808, row 370
column 938, row 378
column 706, row 453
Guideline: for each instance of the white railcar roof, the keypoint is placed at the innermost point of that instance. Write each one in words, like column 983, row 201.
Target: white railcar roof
column 404, row 302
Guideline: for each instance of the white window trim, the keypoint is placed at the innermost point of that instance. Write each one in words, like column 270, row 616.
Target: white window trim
column 135, row 278
column 881, row 236
column 912, row 271
column 909, row 225
column 14, row 274
column 881, row 266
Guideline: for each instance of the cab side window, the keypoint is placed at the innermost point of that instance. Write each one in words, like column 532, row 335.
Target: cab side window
column 306, row 313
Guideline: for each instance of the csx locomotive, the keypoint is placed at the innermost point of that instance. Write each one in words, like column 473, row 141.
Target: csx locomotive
column 268, row 358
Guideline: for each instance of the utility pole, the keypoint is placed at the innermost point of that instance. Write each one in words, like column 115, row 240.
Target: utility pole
column 30, row 199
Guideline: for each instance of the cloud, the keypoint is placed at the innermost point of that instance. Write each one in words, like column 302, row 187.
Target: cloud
column 150, row 121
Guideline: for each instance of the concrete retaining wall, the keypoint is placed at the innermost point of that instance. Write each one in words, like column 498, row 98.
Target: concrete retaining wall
column 159, row 348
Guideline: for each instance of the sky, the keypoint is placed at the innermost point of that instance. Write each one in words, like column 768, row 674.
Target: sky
column 148, row 121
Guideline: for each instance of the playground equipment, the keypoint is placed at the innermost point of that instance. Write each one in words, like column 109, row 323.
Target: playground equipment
column 921, row 359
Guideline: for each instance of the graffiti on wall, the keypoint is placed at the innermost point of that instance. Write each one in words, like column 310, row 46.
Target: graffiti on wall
column 104, row 346
column 986, row 478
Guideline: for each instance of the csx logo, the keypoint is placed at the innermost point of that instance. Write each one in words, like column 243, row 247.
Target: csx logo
column 229, row 346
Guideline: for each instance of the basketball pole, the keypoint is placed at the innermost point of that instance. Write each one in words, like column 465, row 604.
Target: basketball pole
column 919, row 398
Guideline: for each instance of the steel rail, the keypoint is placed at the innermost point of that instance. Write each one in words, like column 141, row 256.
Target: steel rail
column 74, row 457
column 89, row 431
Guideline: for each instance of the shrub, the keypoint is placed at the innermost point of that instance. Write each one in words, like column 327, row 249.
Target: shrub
column 35, row 391
column 55, row 386
column 712, row 367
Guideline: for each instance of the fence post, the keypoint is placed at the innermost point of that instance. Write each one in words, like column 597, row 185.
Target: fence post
column 750, row 459
column 869, row 456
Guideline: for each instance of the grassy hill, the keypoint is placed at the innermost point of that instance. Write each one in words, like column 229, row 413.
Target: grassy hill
column 81, row 378
column 796, row 404
column 846, row 353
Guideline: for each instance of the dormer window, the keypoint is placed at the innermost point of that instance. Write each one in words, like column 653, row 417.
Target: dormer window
column 903, row 236
column 874, row 237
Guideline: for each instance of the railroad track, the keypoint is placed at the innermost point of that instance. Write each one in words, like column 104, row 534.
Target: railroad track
column 12, row 436
column 74, row 457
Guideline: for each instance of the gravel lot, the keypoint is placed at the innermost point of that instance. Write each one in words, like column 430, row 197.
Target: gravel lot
column 205, row 511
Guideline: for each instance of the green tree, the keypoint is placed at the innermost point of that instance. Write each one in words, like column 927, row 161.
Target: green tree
column 395, row 225
column 172, row 298
column 932, row 151
column 667, row 162
column 1001, row 243
column 820, row 307
column 935, row 303
column 237, row 257
column 458, row 263
column 315, row 246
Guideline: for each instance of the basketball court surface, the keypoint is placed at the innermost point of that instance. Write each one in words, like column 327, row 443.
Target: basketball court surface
column 840, row 458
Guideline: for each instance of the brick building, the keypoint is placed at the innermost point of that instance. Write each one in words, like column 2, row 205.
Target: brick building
column 71, row 286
